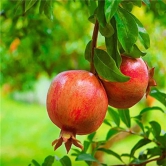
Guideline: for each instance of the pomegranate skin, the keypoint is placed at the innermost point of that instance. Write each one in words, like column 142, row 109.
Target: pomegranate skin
column 77, row 102
column 126, row 94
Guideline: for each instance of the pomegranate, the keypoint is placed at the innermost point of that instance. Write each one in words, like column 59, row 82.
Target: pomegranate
column 126, row 94
column 77, row 104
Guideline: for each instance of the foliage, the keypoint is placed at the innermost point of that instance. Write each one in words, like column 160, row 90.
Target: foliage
column 123, row 33
column 32, row 44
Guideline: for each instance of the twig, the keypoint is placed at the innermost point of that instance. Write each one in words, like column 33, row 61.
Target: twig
column 94, row 43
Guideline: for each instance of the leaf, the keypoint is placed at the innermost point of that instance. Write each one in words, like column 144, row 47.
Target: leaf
column 86, row 145
column 162, row 140
column 112, row 45
column 160, row 96
column 107, row 122
column 65, row 161
column 128, row 5
column 111, row 133
column 137, row 3
column 91, row 136
column 142, row 34
column 88, row 51
column 114, row 115
column 147, row 2
column 151, row 109
column 42, row 5
column 92, row 6
column 156, row 128
column 35, row 163
column 86, row 157
column 135, row 52
column 106, row 67
column 155, row 151
column 140, row 124
column 107, row 30
column 29, row 4
column 92, row 19
column 110, row 8
column 100, row 13
column 46, row 6
column 49, row 160
column 108, row 151
column 125, row 116
column 138, row 145
column 162, row 162
column 126, row 28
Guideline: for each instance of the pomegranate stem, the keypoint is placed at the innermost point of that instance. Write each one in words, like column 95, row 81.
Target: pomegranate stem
column 94, row 43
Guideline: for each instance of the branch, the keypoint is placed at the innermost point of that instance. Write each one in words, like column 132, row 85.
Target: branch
column 94, row 43
column 146, row 162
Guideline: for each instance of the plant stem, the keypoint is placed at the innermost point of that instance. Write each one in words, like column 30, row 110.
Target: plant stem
column 94, row 43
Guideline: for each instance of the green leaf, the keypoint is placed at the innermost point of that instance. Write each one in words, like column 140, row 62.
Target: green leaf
column 162, row 162
column 148, row 131
column 160, row 96
column 128, row 5
column 114, row 115
column 112, row 45
column 107, row 122
column 106, row 67
column 91, row 136
column 108, row 151
column 155, row 151
column 29, row 4
column 137, row 3
column 100, row 13
column 47, row 7
column 92, row 6
column 138, row 145
column 110, row 8
column 35, row 163
column 88, row 51
column 111, row 133
column 92, row 19
column 156, row 128
column 162, row 140
column 126, row 28
column 107, row 30
column 142, row 34
column 147, row 2
column 86, row 157
column 125, row 116
column 135, row 52
column 140, row 124
column 65, row 161
column 86, row 145
column 151, row 109
column 42, row 5
column 49, row 160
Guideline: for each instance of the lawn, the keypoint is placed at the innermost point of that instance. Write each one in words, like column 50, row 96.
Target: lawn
column 26, row 133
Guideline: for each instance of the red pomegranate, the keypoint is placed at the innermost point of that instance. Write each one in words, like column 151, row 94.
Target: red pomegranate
column 77, row 104
column 126, row 94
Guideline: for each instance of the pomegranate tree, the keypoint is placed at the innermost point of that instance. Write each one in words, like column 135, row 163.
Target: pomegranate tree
column 77, row 104
column 126, row 94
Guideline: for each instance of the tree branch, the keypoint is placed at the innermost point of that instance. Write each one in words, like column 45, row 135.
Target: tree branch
column 94, row 43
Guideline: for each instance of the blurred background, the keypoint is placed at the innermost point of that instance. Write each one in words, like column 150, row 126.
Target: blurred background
column 33, row 49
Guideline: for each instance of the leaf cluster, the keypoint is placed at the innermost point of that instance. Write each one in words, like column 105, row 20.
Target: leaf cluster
column 121, row 31
column 150, row 134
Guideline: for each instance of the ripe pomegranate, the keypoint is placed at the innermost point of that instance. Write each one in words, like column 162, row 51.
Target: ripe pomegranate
column 126, row 94
column 77, row 104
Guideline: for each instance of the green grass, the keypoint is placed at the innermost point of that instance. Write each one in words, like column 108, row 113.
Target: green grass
column 27, row 133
